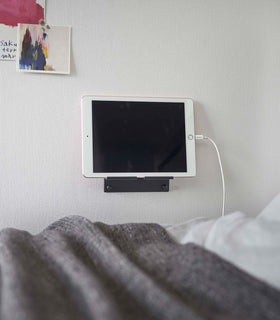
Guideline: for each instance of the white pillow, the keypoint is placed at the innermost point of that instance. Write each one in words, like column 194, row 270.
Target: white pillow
column 252, row 244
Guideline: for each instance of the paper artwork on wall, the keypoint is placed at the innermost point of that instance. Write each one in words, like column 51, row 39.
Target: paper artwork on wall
column 44, row 49
column 13, row 12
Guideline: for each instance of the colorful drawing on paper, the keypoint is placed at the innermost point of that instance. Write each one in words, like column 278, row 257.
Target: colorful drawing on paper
column 34, row 48
column 43, row 48
column 13, row 12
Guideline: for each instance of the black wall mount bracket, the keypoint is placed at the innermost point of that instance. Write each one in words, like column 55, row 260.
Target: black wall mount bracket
column 134, row 184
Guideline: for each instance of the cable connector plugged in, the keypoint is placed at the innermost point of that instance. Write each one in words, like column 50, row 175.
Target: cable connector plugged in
column 201, row 137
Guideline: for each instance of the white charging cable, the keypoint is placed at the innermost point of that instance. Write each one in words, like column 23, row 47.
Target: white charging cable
column 201, row 137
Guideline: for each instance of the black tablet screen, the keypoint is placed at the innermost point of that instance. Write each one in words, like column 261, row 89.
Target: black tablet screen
column 138, row 136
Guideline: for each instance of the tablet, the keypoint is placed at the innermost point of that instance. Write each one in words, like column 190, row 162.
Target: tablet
column 137, row 137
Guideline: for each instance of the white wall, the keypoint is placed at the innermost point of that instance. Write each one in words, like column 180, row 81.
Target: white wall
column 225, row 54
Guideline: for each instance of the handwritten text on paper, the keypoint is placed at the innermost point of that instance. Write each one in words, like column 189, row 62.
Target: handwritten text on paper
column 8, row 50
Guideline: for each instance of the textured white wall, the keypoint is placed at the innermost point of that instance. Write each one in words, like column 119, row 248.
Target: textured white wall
column 223, row 54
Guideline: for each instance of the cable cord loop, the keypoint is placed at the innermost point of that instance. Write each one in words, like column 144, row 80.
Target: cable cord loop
column 201, row 137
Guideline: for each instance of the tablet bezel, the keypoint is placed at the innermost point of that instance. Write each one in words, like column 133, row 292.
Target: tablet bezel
column 87, row 139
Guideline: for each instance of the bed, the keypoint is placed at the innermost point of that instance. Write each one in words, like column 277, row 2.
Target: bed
column 226, row 268
column 252, row 244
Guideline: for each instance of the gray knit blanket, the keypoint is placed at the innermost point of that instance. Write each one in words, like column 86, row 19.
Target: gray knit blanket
column 76, row 269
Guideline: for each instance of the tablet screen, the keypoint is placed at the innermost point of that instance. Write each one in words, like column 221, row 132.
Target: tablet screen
column 136, row 136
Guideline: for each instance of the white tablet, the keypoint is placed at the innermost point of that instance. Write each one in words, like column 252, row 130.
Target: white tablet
column 137, row 137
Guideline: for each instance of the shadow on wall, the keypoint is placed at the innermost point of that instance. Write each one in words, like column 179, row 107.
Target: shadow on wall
column 201, row 122
column 73, row 70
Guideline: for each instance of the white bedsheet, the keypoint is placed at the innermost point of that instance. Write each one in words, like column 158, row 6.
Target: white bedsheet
column 252, row 244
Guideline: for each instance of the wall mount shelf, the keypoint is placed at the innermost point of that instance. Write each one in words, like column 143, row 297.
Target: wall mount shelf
column 134, row 184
